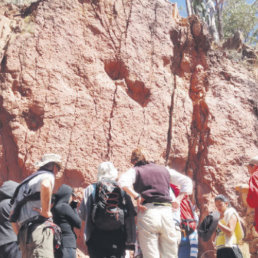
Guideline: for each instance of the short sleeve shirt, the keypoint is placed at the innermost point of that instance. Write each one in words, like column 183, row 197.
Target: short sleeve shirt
column 34, row 185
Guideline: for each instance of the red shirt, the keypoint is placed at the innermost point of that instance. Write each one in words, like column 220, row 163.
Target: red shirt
column 175, row 189
column 252, row 196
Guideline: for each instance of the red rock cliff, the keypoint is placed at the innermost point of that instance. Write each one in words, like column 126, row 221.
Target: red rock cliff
column 92, row 80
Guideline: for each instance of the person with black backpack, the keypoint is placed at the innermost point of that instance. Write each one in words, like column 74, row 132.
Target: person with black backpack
column 30, row 216
column 109, row 214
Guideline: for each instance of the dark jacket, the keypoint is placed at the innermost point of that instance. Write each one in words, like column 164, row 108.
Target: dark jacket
column 65, row 216
column 7, row 234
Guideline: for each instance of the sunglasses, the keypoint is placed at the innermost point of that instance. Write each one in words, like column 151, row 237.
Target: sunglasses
column 250, row 165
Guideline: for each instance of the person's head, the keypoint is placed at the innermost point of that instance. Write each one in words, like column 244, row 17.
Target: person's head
column 252, row 165
column 107, row 170
column 221, row 203
column 63, row 195
column 50, row 162
column 137, row 158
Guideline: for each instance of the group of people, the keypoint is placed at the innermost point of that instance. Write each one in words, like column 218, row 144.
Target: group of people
column 35, row 222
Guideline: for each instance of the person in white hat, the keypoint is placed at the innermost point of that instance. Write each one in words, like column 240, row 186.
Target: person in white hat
column 31, row 209
column 104, row 236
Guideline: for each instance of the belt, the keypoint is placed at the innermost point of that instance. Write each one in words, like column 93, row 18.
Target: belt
column 162, row 204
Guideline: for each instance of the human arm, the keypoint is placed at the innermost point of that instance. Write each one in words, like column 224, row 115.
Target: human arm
column 230, row 228
column 86, row 203
column 70, row 214
column 15, row 228
column 5, row 211
column 242, row 188
column 183, row 182
column 45, row 197
column 136, row 196
column 176, row 202
column 126, row 182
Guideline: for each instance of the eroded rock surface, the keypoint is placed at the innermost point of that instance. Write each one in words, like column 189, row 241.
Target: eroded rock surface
column 92, row 80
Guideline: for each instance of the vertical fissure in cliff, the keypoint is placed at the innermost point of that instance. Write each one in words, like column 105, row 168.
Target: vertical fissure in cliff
column 171, row 108
column 189, row 40
column 4, row 59
column 72, row 130
column 9, row 164
column 179, row 48
column 199, row 140
column 109, row 139
column 108, row 18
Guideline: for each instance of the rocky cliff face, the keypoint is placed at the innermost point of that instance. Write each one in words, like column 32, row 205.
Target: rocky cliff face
column 93, row 79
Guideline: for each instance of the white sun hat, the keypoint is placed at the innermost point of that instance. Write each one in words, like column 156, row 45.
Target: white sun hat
column 48, row 158
column 107, row 170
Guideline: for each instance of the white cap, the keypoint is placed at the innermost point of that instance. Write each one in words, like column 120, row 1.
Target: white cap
column 107, row 170
column 48, row 158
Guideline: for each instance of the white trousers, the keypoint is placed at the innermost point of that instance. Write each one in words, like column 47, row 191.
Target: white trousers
column 158, row 236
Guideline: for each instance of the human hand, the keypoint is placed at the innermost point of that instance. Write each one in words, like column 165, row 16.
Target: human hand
column 141, row 207
column 45, row 214
column 175, row 204
column 74, row 204
column 242, row 188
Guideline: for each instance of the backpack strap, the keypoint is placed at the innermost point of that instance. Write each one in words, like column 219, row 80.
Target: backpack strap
column 31, row 197
column 94, row 191
column 16, row 212
column 191, row 206
column 26, row 180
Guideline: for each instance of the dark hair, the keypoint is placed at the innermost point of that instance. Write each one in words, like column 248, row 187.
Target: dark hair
column 137, row 158
column 49, row 166
column 222, row 198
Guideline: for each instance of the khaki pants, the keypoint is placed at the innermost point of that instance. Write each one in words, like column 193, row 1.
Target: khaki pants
column 38, row 244
column 158, row 236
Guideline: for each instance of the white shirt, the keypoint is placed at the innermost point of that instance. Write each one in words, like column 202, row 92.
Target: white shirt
column 184, row 182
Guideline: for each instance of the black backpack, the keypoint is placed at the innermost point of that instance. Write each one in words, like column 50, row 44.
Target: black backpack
column 108, row 211
column 208, row 226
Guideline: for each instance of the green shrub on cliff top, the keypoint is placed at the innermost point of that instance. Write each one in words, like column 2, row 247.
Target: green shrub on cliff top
column 238, row 15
